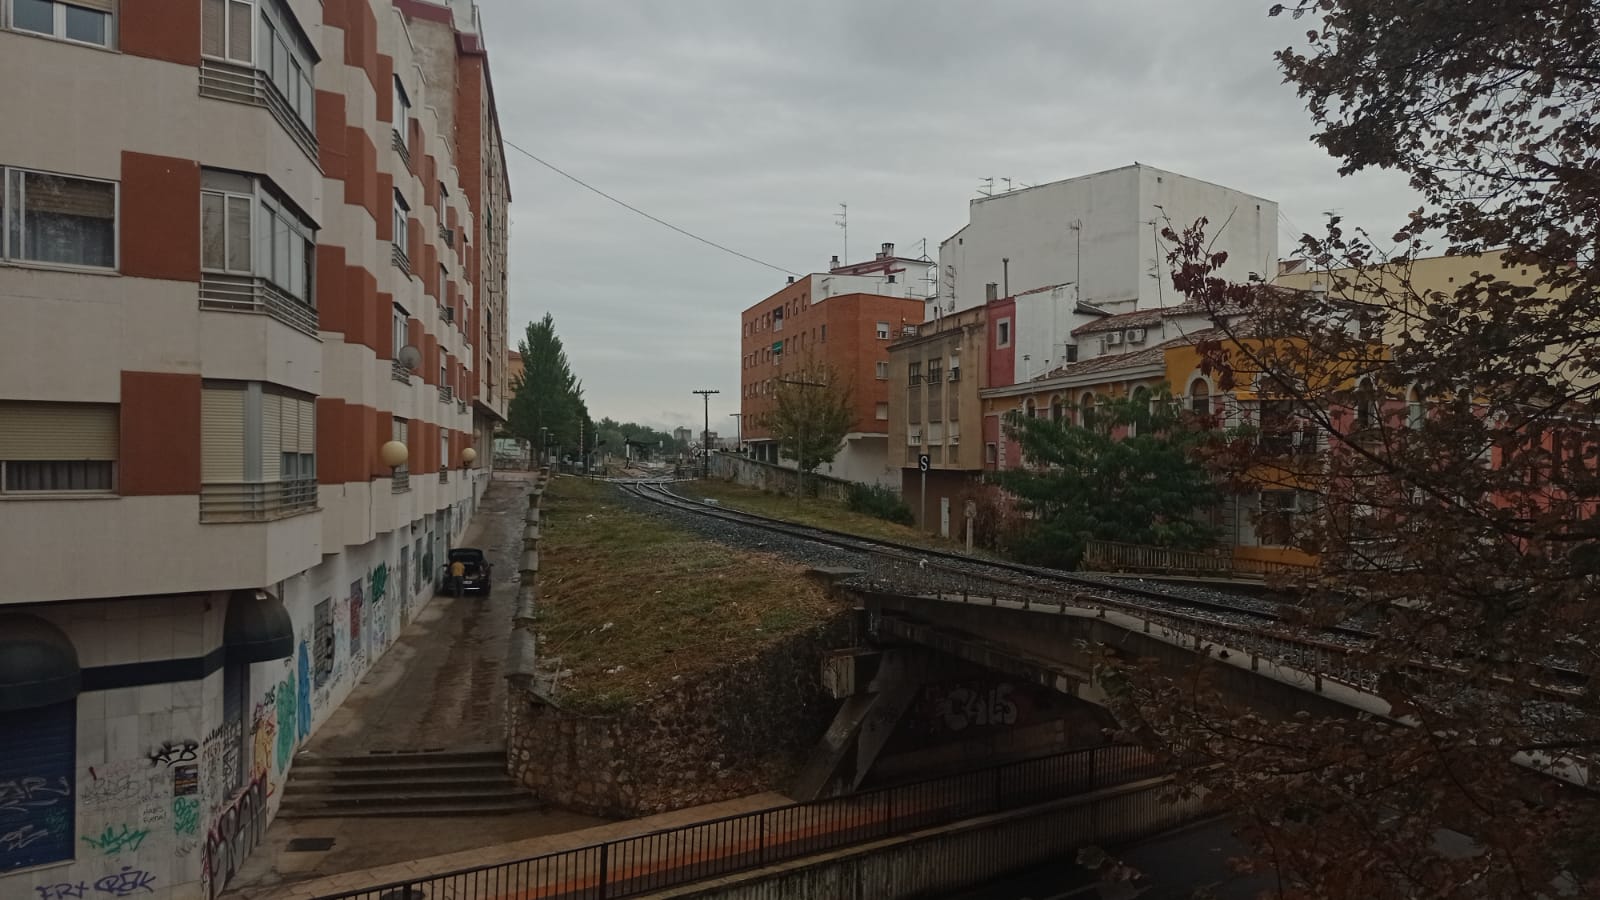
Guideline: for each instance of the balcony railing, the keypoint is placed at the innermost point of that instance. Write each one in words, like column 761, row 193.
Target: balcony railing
column 244, row 84
column 258, row 501
column 399, row 145
column 399, row 372
column 448, row 235
column 400, row 482
column 401, row 261
column 444, row 475
column 245, row 294
column 446, row 393
column 461, row 405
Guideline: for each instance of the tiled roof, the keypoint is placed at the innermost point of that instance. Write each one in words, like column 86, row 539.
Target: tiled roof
column 1147, row 317
column 1113, row 362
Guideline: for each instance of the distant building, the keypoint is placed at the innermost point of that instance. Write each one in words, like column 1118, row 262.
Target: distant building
column 683, row 435
column 844, row 319
column 1088, row 247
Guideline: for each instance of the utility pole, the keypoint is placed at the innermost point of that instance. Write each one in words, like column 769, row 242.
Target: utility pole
column 800, row 440
column 705, row 436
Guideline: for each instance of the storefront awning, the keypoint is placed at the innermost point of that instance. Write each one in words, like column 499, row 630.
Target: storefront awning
column 38, row 663
column 257, row 627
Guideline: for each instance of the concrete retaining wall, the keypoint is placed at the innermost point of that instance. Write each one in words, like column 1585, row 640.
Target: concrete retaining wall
column 963, row 855
column 768, row 477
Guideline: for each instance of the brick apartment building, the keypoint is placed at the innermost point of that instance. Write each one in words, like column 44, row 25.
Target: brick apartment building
column 212, row 262
column 845, row 320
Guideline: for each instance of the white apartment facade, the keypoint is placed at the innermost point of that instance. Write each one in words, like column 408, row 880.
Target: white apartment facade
column 212, row 267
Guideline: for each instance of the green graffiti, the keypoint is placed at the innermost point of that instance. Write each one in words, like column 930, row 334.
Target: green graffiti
column 380, row 581
column 186, row 815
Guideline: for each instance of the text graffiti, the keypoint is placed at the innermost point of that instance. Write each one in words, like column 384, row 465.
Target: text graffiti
column 126, row 882
column 114, row 840
column 236, row 832
column 186, row 815
column 18, row 838
column 170, row 753
column 19, row 795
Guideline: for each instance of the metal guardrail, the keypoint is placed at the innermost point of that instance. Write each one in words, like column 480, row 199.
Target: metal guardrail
column 244, row 84
column 1119, row 557
column 446, row 393
column 399, row 145
column 247, row 294
column 400, row 482
column 399, row 372
column 628, row 867
column 444, row 475
column 257, row 501
column 399, row 258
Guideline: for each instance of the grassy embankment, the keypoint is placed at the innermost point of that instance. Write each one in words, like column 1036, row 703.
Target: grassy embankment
column 627, row 602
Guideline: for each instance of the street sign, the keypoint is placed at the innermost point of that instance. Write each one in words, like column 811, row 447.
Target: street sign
column 923, row 462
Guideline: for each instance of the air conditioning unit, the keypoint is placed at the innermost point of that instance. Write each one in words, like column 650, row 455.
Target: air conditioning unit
column 914, row 438
column 1114, row 339
column 1135, row 335
column 955, row 439
column 955, row 374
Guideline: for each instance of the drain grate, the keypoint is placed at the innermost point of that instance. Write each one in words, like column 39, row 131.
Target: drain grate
column 309, row 844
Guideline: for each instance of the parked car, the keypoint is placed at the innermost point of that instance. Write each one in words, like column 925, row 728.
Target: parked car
column 477, row 572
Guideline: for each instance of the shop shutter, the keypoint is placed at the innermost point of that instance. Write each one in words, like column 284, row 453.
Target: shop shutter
column 222, row 435
column 58, row 431
column 38, row 750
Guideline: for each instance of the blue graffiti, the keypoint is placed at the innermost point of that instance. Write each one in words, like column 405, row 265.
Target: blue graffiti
column 304, row 694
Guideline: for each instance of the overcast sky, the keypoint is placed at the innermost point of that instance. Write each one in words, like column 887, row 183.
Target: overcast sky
column 749, row 121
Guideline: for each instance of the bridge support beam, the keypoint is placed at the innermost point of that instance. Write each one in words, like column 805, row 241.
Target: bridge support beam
column 877, row 687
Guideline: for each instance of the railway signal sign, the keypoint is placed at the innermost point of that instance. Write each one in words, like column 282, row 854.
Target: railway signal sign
column 923, row 462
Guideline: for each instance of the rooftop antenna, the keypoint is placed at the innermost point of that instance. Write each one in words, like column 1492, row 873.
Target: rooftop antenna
column 1008, row 185
column 842, row 219
column 986, row 188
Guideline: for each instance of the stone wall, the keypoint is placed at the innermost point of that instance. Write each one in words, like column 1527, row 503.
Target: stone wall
column 740, row 729
column 768, row 477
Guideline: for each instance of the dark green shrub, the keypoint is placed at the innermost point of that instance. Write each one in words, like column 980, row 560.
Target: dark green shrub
column 877, row 500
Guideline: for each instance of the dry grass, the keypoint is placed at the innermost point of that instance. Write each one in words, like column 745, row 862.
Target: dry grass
column 814, row 511
column 621, row 589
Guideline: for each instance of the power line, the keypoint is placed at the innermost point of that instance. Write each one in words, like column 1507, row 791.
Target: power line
column 710, row 243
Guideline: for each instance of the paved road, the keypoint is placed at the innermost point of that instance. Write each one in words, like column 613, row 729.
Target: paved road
column 440, row 685
column 1177, row 864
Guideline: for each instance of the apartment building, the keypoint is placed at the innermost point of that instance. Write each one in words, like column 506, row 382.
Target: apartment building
column 254, row 330
column 845, row 320
column 935, row 375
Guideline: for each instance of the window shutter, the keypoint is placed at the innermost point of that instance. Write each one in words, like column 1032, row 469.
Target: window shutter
column 275, row 424
column 222, row 435
column 58, row 431
column 105, row 6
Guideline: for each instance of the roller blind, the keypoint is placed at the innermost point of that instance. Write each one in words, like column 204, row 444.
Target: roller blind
column 308, row 426
column 58, row 431
column 222, row 435
column 273, row 426
column 105, row 6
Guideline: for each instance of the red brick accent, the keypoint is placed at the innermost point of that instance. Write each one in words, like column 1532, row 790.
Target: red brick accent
column 333, row 135
column 333, row 304
column 160, row 29
column 430, row 181
column 430, row 359
column 160, row 434
column 340, row 427
column 380, row 316
column 383, row 186
column 379, row 432
column 414, row 245
column 383, row 73
column 160, row 217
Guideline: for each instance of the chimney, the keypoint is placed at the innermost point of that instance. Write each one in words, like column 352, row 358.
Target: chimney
column 791, row 279
column 833, row 263
column 991, row 292
column 888, row 251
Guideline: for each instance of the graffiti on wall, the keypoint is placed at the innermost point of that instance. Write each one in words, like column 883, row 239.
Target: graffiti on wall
column 963, row 706
column 378, row 612
column 286, row 707
column 114, row 839
column 186, row 816
column 322, row 641
column 170, row 753
column 357, row 644
column 235, row 832
column 303, row 694
column 127, row 882
column 35, row 819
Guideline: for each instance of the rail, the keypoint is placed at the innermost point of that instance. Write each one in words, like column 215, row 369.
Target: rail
column 399, row 372
column 257, row 501
column 246, row 294
column 1112, row 556
column 250, row 86
column 628, row 867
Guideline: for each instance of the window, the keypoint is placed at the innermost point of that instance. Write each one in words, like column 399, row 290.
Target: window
column 883, row 331
column 1029, row 409
column 1086, row 408
column 87, row 23
column 257, row 451
column 1002, row 333
column 401, row 433
column 402, row 114
column 57, row 447
column 58, row 219
column 1200, row 397
column 444, row 279
column 225, row 30
column 914, row 373
column 1415, row 411
column 1275, row 524
column 402, row 211
column 883, row 371
column 1366, row 405
column 1141, row 411
column 444, row 375
column 1057, row 408
column 232, row 208
column 444, row 449
column 882, row 412
column 991, row 453
column 401, row 331
column 824, row 334
column 285, row 59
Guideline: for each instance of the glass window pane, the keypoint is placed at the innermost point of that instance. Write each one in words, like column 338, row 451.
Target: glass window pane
column 264, row 44
column 70, row 220
column 239, row 18
column 308, row 290
column 280, row 253
column 263, row 260
column 213, row 229
column 297, row 266
column 239, row 234
column 13, row 213
column 308, row 109
column 87, row 25
column 213, row 25
column 34, row 15
column 280, row 63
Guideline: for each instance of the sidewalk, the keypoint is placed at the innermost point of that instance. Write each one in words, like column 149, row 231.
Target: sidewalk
column 504, row 853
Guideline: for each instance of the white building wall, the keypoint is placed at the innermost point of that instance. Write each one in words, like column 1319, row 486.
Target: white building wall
column 864, row 459
column 909, row 283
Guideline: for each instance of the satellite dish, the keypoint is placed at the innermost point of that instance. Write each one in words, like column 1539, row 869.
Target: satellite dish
column 410, row 357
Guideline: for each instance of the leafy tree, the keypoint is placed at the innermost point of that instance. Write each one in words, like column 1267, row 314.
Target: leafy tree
column 1457, row 496
column 811, row 413
column 547, row 395
column 1130, row 473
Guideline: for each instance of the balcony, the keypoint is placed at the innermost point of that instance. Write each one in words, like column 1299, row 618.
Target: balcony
column 245, row 294
column 399, row 258
column 401, row 481
column 444, row 476
column 448, row 235
column 446, row 393
column 399, row 372
column 258, row 501
column 244, row 84
column 399, row 145
column 461, row 405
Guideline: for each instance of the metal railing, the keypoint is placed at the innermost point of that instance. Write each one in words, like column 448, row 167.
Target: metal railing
column 461, row 405
column 244, row 84
column 446, row 393
column 257, row 501
column 400, row 482
column 630, row 866
column 399, row 144
column 444, row 475
column 247, row 294
column 399, row 372
column 399, row 258
column 1111, row 556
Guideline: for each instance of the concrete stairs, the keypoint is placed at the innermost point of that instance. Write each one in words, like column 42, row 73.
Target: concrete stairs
column 440, row 783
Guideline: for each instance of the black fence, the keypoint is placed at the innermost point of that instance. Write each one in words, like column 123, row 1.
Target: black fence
column 631, row 866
